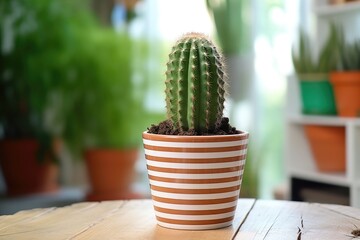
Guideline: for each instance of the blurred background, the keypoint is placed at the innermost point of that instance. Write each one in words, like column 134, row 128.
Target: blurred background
column 81, row 80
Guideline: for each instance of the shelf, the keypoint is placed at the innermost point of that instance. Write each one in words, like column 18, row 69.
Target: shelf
column 338, row 179
column 323, row 120
column 335, row 9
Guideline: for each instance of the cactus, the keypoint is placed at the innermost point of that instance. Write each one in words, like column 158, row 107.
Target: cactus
column 195, row 80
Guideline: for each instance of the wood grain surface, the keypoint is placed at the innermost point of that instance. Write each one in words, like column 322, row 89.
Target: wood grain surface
column 135, row 219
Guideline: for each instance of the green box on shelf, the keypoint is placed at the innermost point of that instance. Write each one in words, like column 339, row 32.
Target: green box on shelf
column 317, row 94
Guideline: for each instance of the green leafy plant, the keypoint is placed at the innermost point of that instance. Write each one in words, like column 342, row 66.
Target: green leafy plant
column 102, row 102
column 195, row 84
column 232, row 22
column 304, row 61
column 36, row 40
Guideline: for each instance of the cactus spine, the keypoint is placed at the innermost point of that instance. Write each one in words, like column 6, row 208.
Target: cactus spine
column 195, row 80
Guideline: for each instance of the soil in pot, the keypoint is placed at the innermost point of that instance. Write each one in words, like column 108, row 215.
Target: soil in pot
column 347, row 93
column 111, row 173
column 24, row 174
column 166, row 128
column 328, row 147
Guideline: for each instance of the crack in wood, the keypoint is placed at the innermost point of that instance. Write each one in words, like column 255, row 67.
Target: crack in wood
column 267, row 232
column 244, row 220
column 332, row 210
column 93, row 224
column 300, row 229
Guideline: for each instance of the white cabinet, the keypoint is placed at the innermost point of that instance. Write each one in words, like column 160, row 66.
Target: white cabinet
column 300, row 164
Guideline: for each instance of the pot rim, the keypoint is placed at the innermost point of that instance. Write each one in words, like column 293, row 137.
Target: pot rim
column 241, row 135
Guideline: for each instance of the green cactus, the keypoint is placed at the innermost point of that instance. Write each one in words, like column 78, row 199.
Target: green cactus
column 195, row 84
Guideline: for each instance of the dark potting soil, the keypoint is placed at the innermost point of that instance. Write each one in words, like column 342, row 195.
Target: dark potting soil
column 166, row 128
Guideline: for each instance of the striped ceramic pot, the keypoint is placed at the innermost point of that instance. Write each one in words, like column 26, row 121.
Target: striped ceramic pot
column 195, row 181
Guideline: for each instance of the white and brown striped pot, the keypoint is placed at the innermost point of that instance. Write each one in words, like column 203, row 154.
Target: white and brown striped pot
column 195, row 181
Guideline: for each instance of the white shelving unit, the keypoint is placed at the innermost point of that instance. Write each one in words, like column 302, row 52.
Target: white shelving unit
column 300, row 162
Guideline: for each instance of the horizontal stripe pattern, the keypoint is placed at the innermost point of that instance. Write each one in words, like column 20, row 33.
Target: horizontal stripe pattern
column 193, row 185
column 194, row 217
column 195, row 160
column 195, row 181
column 195, row 150
column 194, row 144
column 204, row 207
column 200, row 155
column 195, row 198
column 195, row 171
column 195, row 176
column 194, row 222
column 195, row 165
column 195, row 212
column 195, row 227
column 228, row 190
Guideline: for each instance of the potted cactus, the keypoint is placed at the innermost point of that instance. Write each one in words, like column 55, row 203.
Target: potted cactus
column 195, row 159
column 346, row 80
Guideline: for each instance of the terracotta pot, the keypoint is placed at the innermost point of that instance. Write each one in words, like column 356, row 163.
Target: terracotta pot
column 195, row 181
column 111, row 173
column 347, row 93
column 23, row 173
column 328, row 147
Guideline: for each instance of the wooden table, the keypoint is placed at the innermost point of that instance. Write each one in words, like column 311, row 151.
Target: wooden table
column 254, row 219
